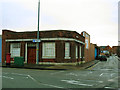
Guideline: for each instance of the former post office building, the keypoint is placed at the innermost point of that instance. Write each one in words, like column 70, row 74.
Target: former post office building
column 59, row 46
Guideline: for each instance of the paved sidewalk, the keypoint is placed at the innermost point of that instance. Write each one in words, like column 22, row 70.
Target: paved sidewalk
column 55, row 67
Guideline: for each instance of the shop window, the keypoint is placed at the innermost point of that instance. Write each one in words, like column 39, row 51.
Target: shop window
column 80, row 51
column 76, row 52
column 67, row 50
column 15, row 49
column 48, row 50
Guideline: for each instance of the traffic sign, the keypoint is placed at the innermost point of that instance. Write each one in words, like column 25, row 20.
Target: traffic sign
column 36, row 40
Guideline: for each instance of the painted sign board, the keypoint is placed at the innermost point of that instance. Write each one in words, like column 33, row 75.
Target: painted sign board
column 86, row 41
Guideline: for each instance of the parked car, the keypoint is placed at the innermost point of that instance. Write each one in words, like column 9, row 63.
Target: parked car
column 103, row 58
column 115, row 54
column 107, row 55
column 98, row 57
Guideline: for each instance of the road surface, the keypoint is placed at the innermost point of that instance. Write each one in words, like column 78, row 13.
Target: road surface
column 102, row 75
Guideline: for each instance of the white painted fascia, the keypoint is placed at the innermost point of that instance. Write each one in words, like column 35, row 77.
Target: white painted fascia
column 45, row 39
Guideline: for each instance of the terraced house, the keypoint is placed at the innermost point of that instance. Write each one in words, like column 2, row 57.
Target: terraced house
column 57, row 46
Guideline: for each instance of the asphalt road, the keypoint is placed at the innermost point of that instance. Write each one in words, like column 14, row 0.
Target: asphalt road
column 102, row 75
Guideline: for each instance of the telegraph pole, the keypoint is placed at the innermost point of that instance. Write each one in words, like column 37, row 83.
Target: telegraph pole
column 38, row 33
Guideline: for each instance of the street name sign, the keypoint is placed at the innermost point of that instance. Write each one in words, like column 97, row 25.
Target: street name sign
column 36, row 40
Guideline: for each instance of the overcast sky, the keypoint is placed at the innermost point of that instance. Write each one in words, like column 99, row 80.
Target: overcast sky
column 99, row 18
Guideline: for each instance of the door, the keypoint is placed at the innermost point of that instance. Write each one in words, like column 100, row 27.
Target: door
column 31, row 55
column 95, row 52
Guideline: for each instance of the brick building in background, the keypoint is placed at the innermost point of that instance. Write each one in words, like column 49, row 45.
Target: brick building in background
column 59, row 46
column 94, row 51
column 105, row 50
column 116, row 50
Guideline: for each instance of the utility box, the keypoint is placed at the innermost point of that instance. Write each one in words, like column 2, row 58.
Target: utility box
column 19, row 61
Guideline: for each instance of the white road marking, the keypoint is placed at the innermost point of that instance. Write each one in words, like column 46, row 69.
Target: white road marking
column 31, row 78
column 72, row 74
column 44, row 83
column 111, row 80
column 76, row 82
column 28, row 76
column 85, row 84
column 17, row 74
column 100, row 81
column 108, row 87
column 101, row 74
column 7, row 77
column 52, row 85
column 91, row 81
column 90, row 72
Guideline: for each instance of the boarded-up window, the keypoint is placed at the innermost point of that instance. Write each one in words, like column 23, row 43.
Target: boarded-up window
column 48, row 50
column 67, row 50
column 76, row 51
column 80, row 51
column 15, row 49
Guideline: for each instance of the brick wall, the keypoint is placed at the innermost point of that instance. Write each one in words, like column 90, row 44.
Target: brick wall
column 0, row 48
column 60, row 45
column 7, row 34
column 114, row 49
column 86, row 50
column 92, row 52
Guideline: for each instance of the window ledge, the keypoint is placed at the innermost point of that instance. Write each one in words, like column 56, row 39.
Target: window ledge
column 67, row 57
column 52, row 57
column 76, row 57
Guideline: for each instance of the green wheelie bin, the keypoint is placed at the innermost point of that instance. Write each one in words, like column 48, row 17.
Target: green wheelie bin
column 19, row 61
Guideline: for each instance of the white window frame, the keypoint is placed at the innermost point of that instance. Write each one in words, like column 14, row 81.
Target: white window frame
column 48, row 50
column 76, row 52
column 80, row 51
column 15, row 50
column 67, row 50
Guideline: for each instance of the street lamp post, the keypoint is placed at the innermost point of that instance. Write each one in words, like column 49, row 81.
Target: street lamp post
column 38, row 33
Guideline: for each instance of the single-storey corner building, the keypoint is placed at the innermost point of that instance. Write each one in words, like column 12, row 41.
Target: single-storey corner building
column 0, row 48
column 59, row 46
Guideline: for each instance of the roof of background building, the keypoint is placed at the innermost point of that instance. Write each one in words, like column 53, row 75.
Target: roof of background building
column 103, row 46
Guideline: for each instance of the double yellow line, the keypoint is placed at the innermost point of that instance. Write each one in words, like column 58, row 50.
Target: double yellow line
column 93, row 66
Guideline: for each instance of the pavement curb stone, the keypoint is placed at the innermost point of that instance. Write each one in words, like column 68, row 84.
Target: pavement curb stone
column 55, row 67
